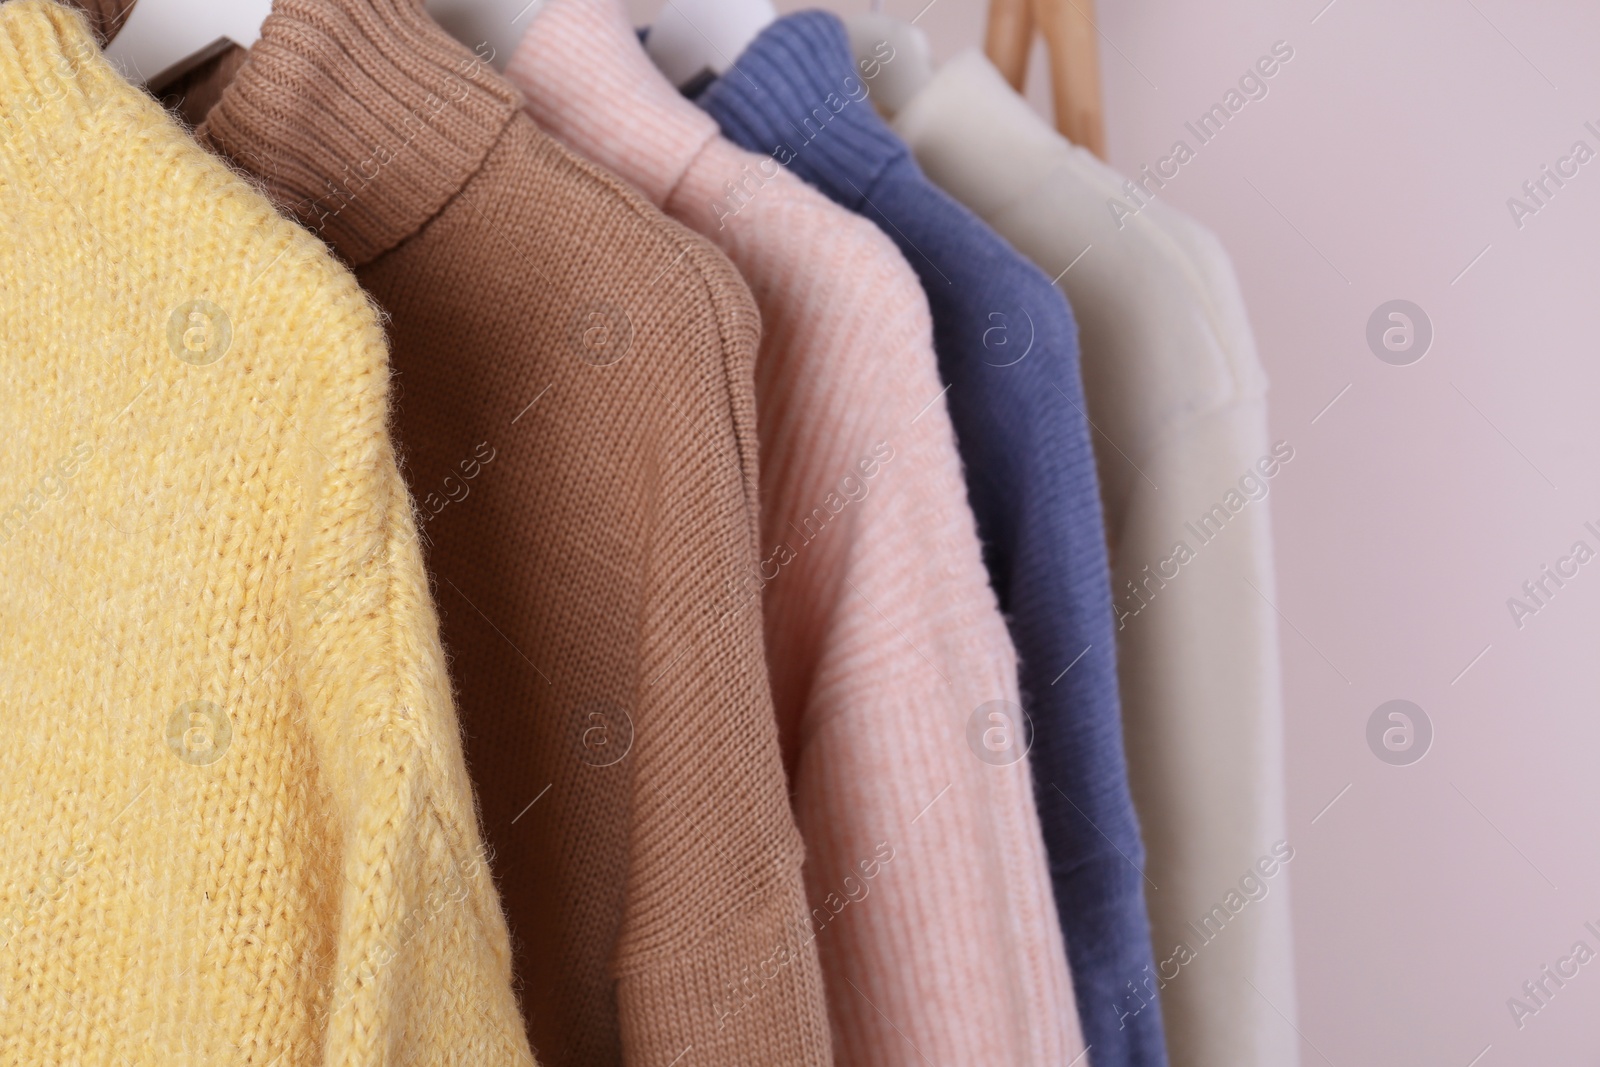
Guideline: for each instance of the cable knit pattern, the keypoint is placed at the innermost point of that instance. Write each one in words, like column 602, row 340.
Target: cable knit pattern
column 925, row 869
column 577, row 412
column 235, row 821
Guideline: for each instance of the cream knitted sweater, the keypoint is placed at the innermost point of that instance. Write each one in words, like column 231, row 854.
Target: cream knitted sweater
column 1173, row 379
column 235, row 823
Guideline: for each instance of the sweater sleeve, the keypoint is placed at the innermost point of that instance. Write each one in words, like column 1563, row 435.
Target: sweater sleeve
column 925, row 867
column 1199, row 645
column 421, row 964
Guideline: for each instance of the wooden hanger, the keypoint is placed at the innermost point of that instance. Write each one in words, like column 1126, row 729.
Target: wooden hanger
column 1009, row 38
column 1069, row 35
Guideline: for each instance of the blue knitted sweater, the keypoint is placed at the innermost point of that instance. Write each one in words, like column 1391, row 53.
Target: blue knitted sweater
column 1007, row 348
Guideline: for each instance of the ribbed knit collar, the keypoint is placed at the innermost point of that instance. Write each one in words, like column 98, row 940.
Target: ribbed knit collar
column 795, row 93
column 590, row 84
column 363, row 117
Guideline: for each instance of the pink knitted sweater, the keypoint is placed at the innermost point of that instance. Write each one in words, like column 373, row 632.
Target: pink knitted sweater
column 931, row 906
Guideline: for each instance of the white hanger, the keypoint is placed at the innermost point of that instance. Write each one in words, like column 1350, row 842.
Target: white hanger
column 892, row 57
column 161, row 34
column 690, row 37
column 499, row 24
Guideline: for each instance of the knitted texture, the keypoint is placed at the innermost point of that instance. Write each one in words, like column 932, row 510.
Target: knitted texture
column 1007, row 347
column 235, row 821
column 883, row 636
column 1172, row 376
column 106, row 17
column 577, row 411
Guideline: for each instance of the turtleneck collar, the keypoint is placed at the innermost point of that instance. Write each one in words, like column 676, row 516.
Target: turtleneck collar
column 796, row 93
column 363, row 117
column 590, row 84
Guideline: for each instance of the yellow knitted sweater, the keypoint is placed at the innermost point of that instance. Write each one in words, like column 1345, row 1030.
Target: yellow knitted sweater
column 235, row 822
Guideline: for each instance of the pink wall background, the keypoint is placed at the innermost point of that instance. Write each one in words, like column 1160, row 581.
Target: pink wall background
column 1378, row 167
